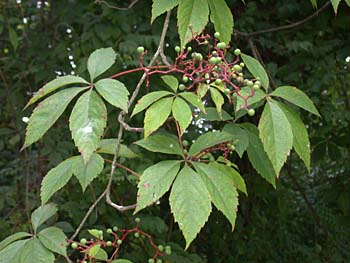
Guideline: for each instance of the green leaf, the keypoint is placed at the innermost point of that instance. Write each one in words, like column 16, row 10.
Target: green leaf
column 114, row 92
column 256, row 69
column 276, row 134
column 240, row 137
column 217, row 98
column 95, row 233
column 87, row 122
column 301, row 141
column 194, row 100
column 190, row 203
column 221, row 188
column 148, row 99
column 100, row 60
column 171, row 82
column 56, row 178
column 86, row 172
column 156, row 115
column 236, row 177
column 54, row 239
column 221, row 17
column 161, row 6
column 122, row 261
column 348, row 2
column 11, row 253
column 208, row 140
column 34, row 251
column 13, row 37
column 93, row 251
column 182, row 114
column 42, row 214
column 155, row 182
column 102, row 255
column 108, row 146
column 161, row 142
column 335, row 4
column 314, row 3
column 54, row 85
column 16, row 236
column 297, row 97
column 192, row 16
column 257, row 155
column 212, row 115
column 47, row 113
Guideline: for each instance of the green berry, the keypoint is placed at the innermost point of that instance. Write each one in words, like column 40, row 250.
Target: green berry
column 218, row 60
column 206, row 42
column 119, row 242
column 168, row 250
column 240, row 79
column 159, row 261
column 140, row 50
column 160, row 248
column 237, row 68
column 100, row 233
column 137, row 220
column 240, row 74
column 242, row 64
column 256, row 87
column 214, row 53
column 184, row 79
column 228, row 163
column 182, row 87
column 83, row 241
column 74, row 245
column 6, row 50
column 221, row 45
column 237, row 52
column 257, row 78
column 251, row 112
column 109, row 231
column 151, row 260
column 189, row 49
column 137, row 234
column 198, row 56
column 109, row 243
column 115, row 228
column 227, row 91
column 232, row 147
column 212, row 60
column 185, row 143
column 250, row 83
column 258, row 83
column 185, row 151
column 216, row 34
column 177, row 49
column 218, row 82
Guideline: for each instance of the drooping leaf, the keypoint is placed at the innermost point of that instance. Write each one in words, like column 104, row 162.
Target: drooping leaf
column 42, row 214
column 297, row 97
column 194, row 100
column 161, row 6
column 335, row 4
column 207, row 140
column 156, row 115
column 54, row 85
column 47, row 113
column 221, row 17
column 192, row 16
column 161, row 142
column 10, row 239
column 190, row 203
column 93, row 251
column 11, row 253
column 155, row 182
column 182, row 113
column 276, row 134
column 221, row 188
column 13, row 37
column 212, row 115
column 99, row 61
column 217, row 98
column 54, row 239
column 257, row 155
column 108, row 146
column 114, row 92
column 95, row 233
column 301, row 141
column 87, row 122
column 236, row 177
column 256, row 69
column 86, row 172
column 171, row 82
column 240, row 137
column 56, row 178
column 148, row 99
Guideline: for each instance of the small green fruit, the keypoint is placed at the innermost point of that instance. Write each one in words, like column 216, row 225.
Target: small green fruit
column 159, row 261
column 242, row 64
column 257, row 83
column 237, row 52
column 168, row 250
column 6, row 50
column 221, row 45
column 214, row 53
column 251, row 112
column 115, row 228
column 228, row 163
column 237, row 68
column 189, row 49
column 137, row 220
column 109, row 243
column 83, row 241
column 256, row 87
column 182, row 87
column 184, row 79
column 227, row 91
column 185, row 143
column 218, row 82
column 185, row 151
column 100, row 233
column 198, row 56
column 74, row 245
column 160, row 248
column 212, row 60
column 232, row 147
column 216, row 34
column 250, row 83
column 206, row 42
column 109, row 231
column 218, row 60
column 119, row 242
column 140, row 50
column 151, row 260
column 177, row 49
column 137, row 234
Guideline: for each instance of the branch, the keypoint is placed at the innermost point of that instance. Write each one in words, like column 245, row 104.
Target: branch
column 116, row 7
column 285, row 27
column 121, row 117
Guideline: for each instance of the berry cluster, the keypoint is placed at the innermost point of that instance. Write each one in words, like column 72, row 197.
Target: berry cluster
column 118, row 237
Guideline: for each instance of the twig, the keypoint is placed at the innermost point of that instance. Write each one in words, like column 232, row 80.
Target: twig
column 125, row 168
column 126, row 126
column 122, row 118
column 116, row 7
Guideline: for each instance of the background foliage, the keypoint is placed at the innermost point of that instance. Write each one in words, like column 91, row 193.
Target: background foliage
column 306, row 219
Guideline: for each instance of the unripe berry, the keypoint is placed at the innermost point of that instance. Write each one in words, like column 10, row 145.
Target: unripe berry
column 250, row 83
column 177, row 49
column 83, row 241
column 137, row 220
column 160, row 248
column 109, row 243
column 221, row 45
column 227, row 91
column 185, row 143
column 182, row 87
column 198, row 56
column 115, row 228
column 218, row 82
column 6, row 50
column 159, row 261
column 228, row 163
column 119, row 242
column 251, row 112
column 242, row 64
column 74, row 245
column 218, row 60
column 232, row 147
column 237, row 68
column 185, row 151
column 216, row 34
column 189, row 49
column 256, row 87
column 237, row 52
column 100, row 233
column 212, row 60
column 140, row 49
column 185, row 79
column 151, row 260
column 206, row 42
column 168, row 250
column 214, row 53
column 257, row 83
column 136, row 234
column 240, row 79
column 109, row 231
